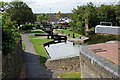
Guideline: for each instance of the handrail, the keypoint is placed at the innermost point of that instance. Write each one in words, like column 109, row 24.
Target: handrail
column 106, row 23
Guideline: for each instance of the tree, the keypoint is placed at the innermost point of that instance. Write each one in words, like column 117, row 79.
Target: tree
column 58, row 15
column 81, row 15
column 20, row 12
column 118, row 14
column 10, row 33
column 107, row 13
column 91, row 16
column 41, row 18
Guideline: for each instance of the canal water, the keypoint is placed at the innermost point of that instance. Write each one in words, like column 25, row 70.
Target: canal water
column 63, row 50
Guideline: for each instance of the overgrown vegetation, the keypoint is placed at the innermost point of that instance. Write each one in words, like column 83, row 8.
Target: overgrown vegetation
column 96, row 38
column 10, row 33
column 13, row 15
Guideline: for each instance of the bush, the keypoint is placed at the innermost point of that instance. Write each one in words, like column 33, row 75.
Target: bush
column 37, row 26
column 27, row 27
column 100, row 38
column 91, row 31
column 10, row 36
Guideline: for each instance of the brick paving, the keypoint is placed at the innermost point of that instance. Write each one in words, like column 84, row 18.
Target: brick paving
column 110, row 51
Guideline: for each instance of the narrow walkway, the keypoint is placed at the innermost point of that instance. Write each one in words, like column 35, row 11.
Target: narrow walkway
column 33, row 67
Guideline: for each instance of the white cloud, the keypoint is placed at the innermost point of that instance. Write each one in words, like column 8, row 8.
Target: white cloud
column 60, row 5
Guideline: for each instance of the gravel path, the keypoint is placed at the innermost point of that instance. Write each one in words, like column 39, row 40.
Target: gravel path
column 33, row 67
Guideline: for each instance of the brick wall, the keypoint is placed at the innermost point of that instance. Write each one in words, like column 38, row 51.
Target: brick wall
column 12, row 63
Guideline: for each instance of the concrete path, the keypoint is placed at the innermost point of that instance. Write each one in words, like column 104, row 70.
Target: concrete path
column 33, row 67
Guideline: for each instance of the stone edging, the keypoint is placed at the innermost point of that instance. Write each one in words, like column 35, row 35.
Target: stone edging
column 102, row 62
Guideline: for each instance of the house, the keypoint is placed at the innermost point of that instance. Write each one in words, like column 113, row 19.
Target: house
column 63, row 22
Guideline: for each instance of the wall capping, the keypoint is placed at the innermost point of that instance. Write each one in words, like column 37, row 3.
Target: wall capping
column 102, row 62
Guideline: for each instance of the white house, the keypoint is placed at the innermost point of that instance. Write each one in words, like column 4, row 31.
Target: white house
column 63, row 22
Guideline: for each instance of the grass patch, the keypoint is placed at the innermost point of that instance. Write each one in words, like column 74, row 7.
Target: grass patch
column 67, row 31
column 38, row 31
column 23, row 46
column 70, row 76
column 32, row 36
column 38, row 46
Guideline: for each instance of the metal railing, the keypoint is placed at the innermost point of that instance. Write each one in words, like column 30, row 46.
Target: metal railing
column 106, row 23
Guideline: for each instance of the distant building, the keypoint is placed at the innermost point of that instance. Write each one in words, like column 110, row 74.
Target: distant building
column 63, row 22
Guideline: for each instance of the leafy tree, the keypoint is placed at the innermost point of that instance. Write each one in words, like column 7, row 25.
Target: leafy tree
column 107, row 13
column 10, row 33
column 82, row 13
column 58, row 15
column 90, row 15
column 20, row 12
column 118, row 14
column 41, row 18
column 94, row 15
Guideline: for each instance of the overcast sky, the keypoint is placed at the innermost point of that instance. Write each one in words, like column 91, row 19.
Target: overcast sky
column 65, row 6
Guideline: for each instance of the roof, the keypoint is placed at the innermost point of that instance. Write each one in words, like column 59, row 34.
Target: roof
column 110, row 51
column 64, row 20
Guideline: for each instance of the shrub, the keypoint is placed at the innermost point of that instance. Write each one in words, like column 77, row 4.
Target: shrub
column 27, row 27
column 100, row 38
column 10, row 36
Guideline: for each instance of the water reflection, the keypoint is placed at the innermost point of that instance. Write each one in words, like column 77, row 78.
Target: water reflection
column 61, row 50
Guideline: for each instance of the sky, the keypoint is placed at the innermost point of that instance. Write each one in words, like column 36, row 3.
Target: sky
column 64, row 6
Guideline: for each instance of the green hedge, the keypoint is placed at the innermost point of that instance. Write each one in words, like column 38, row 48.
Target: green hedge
column 99, row 38
column 27, row 26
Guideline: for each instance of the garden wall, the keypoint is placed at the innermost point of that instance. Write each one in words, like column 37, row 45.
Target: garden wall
column 12, row 63
column 64, row 64
column 94, row 66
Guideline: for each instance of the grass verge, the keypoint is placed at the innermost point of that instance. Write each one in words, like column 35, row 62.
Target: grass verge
column 68, row 32
column 38, row 31
column 70, row 76
column 39, row 48
column 38, row 44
